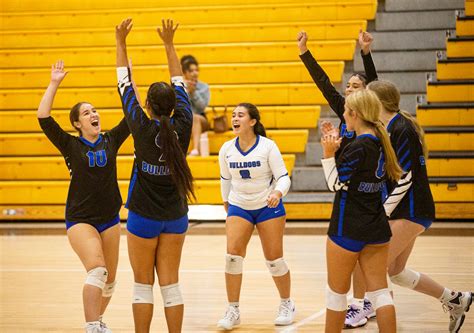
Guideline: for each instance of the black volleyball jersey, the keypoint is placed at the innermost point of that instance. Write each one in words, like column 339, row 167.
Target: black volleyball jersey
column 94, row 195
column 411, row 197
column 335, row 99
column 152, row 192
column 358, row 176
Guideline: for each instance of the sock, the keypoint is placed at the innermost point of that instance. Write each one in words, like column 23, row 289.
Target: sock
column 358, row 303
column 234, row 304
column 92, row 323
column 284, row 300
column 100, row 318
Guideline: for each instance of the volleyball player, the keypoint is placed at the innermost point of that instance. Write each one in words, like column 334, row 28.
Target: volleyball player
column 357, row 81
column 161, row 182
column 253, row 181
column 94, row 201
column 359, row 229
column 410, row 205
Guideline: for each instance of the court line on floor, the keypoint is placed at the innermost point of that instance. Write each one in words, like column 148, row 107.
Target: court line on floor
column 304, row 321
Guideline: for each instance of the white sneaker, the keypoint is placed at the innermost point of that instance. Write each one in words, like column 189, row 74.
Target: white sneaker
column 93, row 327
column 286, row 313
column 355, row 317
column 104, row 327
column 231, row 318
column 457, row 306
column 368, row 311
column 194, row 152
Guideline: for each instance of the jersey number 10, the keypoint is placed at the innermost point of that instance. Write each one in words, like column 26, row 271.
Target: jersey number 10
column 97, row 158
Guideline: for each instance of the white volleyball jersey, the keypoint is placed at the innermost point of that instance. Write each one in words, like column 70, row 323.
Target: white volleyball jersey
column 248, row 178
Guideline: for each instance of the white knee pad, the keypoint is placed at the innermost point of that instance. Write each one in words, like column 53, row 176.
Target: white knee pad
column 277, row 267
column 233, row 264
column 407, row 278
column 335, row 301
column 142, row 293
column 97, row 277
column 109, row 289
column 380, row 298
column 171, row 295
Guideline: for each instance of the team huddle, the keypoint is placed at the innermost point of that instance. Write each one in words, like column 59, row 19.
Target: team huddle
column 375, row 162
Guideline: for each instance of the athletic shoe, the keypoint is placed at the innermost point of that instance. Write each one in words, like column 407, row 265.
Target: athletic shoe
column 354, row 317
column 93, row 327
column 286, row 313
column 231, row 318
column 369, row 311
column 194, row 152
column 104, row 327
column 457, row 307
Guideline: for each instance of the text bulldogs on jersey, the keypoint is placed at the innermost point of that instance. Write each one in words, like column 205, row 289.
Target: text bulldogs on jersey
column 246, row 165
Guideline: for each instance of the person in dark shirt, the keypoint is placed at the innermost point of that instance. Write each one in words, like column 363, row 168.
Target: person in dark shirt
column 357, row 81
column 410, row 205
column 359, row 229
column 94, row 201
column 161, row 182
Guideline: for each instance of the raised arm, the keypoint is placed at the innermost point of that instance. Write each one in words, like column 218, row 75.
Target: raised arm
column 335, row 99
column 167, row 34
column 49, row 126
column 134, row 115
column 365, row 42
column 183, row 115
column 57, row 75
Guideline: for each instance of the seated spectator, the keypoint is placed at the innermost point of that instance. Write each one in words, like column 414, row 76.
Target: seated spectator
column 199, row 95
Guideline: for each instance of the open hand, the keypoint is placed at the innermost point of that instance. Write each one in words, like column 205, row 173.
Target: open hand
column 167, row 31
column 57, row 72
column 327, row 128
column 330, row 145
column 122, row 30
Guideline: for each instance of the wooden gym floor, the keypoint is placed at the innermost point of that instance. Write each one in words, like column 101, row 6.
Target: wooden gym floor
column 41, row 281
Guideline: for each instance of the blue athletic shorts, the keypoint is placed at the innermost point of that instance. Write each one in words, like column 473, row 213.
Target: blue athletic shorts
column 257, row 215
column 100, row 227
column 425, row 223
column 147, row 228
column 351, row 244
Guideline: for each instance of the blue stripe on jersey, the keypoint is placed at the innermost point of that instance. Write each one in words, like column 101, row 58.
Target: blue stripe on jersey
column 402, row 159
column 350, row 163
column 412, row 203
column 407, row 166
column 342, row 206
column 248, row 151
column 368, row 135
column 392, row 121
column 286, row 174
column 91, row 144
column 132, row 184
column 399, row 150
column 345, row 169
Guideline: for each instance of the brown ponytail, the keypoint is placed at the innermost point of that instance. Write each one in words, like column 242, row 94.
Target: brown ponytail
column 367, row 106
column 74, row 115
column 389, row 96
column 161, row 99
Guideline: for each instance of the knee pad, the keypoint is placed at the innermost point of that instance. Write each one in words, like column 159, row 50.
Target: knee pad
column 407, row 278
column 97, row 277
column 380, row 298
column 335, row 301
column 109, row 289
column 142, row 293
column 233, row 264
column 277, row 267
column 171, row 295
